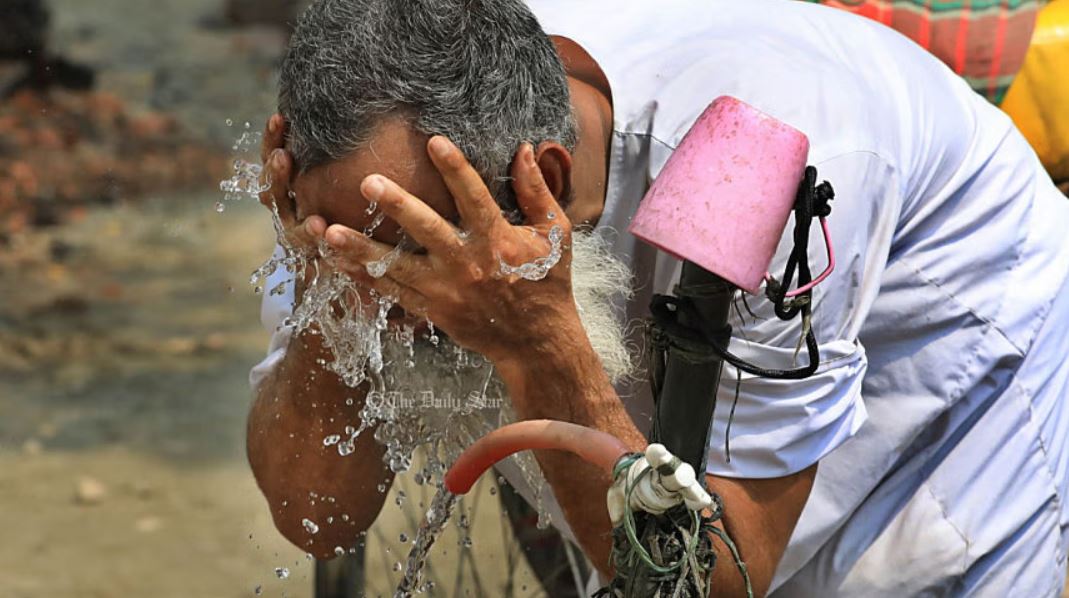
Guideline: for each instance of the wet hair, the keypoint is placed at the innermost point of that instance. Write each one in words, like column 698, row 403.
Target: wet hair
column 482, row 72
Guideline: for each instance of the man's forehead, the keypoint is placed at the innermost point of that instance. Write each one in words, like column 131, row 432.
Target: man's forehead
column 395, row 150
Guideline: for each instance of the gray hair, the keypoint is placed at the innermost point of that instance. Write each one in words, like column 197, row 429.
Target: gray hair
column 481, row 72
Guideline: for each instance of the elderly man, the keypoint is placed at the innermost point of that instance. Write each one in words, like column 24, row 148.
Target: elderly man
column 937, row 415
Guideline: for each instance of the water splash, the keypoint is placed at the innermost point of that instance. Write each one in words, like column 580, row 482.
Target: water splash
column 538, row 268
column 378, row 268
column 248, row 178
column 433, row 524
column 352, row 325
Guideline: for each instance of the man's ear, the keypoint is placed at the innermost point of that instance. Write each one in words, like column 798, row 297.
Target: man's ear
column 555, row 162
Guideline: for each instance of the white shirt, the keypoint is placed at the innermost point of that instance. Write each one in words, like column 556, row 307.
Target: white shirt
column 938, row 413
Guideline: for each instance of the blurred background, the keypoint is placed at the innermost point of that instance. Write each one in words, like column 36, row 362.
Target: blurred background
column 127, row 324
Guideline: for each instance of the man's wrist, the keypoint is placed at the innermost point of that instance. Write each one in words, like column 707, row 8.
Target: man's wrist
column 559, row 377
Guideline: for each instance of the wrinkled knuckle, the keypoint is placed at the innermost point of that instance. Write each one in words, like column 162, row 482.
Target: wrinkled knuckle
column 537, row 187
column 440, row 229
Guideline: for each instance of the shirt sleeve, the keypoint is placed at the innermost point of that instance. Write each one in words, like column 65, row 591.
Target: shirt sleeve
column 274, row 309
column 772, row 428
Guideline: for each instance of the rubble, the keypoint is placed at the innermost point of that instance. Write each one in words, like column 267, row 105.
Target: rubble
column 90, row 491
column 62, row 149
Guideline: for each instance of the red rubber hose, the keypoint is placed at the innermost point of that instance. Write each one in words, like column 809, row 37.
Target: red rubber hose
column 593, row 446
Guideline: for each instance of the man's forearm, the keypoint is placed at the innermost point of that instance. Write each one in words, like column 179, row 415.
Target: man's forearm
column 567, row 382
column 298, row 405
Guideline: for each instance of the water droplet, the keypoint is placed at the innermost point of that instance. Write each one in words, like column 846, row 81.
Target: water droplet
column 466, row 542
column 397, row 566
column 381, row 488
column 229, row 122
column 493, row 491
column 544, row 520
column 258, row 290
column 310, row 526
column 403, row 537
column 282, row 572
column 259, row 590
column 219, row 207
column 331, row 440
column 339, row 551
column 551, row 215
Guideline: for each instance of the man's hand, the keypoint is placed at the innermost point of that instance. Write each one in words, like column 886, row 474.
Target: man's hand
column 278, row 171
column 459, row 283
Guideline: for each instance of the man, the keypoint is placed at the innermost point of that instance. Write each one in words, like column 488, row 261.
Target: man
column 937, row 415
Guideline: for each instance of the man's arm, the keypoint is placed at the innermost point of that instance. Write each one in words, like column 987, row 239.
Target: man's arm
column 298, row 405
column 532, row 333
column 569, row 384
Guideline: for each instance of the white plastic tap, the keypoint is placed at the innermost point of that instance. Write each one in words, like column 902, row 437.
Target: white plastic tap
column 671, row 482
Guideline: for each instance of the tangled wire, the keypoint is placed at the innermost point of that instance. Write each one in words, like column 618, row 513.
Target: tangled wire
column 669, row 555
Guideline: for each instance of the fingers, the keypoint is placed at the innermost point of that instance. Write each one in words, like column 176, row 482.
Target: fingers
column 419, row 221
column 309, row 232
column 274, row 136
column 277, row 170
column 478, row 210
column 410, row 299
column 533, row 195
column 354, row 251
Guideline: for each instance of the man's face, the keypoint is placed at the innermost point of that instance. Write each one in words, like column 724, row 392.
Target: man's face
column 396, row 151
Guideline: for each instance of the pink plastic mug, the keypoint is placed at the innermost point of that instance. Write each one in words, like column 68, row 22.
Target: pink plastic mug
column 724, row 196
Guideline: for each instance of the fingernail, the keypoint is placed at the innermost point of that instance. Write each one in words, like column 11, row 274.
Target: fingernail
column 336, row 238
column 373, row 187
column 529, row 156
column 312, row 227
column 439, row 146
column 272, row 124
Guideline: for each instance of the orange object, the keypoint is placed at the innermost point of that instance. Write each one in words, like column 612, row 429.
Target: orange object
column 1038, row 100
column 593, row 446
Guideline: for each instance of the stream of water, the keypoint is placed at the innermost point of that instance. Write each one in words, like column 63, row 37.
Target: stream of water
column 433, row 524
